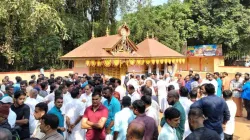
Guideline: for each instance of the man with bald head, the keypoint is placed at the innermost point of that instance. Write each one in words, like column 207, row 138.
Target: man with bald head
column 5, row 134
column 136, row 130
column 173, row 100
column 31, row 101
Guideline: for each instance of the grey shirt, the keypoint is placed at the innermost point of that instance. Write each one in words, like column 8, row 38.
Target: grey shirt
column 53, row 136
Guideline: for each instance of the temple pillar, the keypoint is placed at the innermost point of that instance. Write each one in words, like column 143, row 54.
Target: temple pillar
column 165, row 68
column 157, row 71
column 149, row 68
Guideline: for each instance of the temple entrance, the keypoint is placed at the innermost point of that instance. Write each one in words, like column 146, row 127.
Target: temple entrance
column 111, row 71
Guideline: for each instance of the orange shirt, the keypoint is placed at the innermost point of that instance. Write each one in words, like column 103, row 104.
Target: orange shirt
column 226, row 83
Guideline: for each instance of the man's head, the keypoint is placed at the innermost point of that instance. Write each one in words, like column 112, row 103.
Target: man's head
column 196, row 77
column 138, row 107
column 52, row 76
column 7, row 78
column 191, row 72
column 19, row 97
column 75, row 93
column 18, row 79
column 5, row 134
column 58, row 101
column 193, row 94
column 4, row 82
column 23, row 85
column 146, row 90
column 9, row 90
column 33, row 93
column 117, row 82
column 96, row 98
column 172, row 116
column 147, row 100
column 44, row 85
column 216, row 75
column 224, row 74
column 40, row 110
column 33, row 77
column 227, row 94
column 210, row 89
column 70, row 86
column 88, row 89
column 187, row 78
column 136, row 130
column 237, row 76
column 246, row 75
column 126, row 101
column 172, row 97
column 107, row 92
column 179, row 76
column 32, row 83
column 131, row 89
column 183, row 92
column 203, row 90
column 171, row 87
column 210, row 77
column 195, row 118
column 4, row 112
column 49, row 122
column 149, row 83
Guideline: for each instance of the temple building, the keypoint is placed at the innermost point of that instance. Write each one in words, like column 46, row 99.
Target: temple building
column 114, row 55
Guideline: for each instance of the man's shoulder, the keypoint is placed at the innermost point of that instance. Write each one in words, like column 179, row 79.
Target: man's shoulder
column 25, row 106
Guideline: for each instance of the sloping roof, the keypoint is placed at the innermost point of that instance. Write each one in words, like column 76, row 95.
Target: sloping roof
column 97, row 48
column 153, row 48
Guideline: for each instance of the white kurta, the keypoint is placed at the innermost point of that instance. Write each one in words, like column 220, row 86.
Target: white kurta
column 74, row 110
column 151, row 112
column 134, row 96
column 121, row 90
column 88, row 99
column 162, row 91
column 32, row 102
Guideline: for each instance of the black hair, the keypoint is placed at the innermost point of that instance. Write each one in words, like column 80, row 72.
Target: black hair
column 98, row 89
column 8, row 87
column 183, row 91
column 111, row 84
column 227, row 94
column 172, row 113
column 143, row 77
column 126, row 101
column 24, row 82
column 171, row 87
column 191, row 71
column 43, row 85
column 238, row 74
column 61, row 87
column 51, row 81
column 19, row 93
column 146, row 99
column 146, row 91
column 68, row 83
column 51, row 120
column 193, row 94
column 210, row 89
column 97, row 92
column 173, row 93
column 131, row 87
column 75, row 93
column 216, row 73
column 132, row 76
column 247, row 74
column 38, row 81
column 58, row 92
column 58, row 97
column 139, row 105
column 118, row 81
column 31, row 82
column 42, row 106
column 52, row 88
column 33, row 76
column 18, row 79
column 196, row 77
column 195, row 112
column 112, row 80
column 108, row 88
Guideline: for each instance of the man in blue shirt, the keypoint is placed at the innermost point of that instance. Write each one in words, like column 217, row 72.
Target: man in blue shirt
column 215, row 110
column 113, row 106
column 245, row 95
column 56, row 111
column 219, row 81
column 17, row 84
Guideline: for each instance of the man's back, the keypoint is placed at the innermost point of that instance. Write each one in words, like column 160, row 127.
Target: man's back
column 203, row 133
column 151, row 130
column 215, row 109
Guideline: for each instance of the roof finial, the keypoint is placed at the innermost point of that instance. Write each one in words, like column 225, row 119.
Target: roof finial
column 153, row 36
column 107, row 31
column 93, row 34
column 147, row 35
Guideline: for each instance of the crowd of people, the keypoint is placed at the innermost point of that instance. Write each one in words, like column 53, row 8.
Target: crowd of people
column 84, row 107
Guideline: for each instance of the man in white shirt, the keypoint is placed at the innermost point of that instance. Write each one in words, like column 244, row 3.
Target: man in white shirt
column 167, row 78
column 210, row 80
column 162, row 90
column 123, row 119
column 150, row 77
column 86, row 98
column 133, row 94
column 32, row 102
column 67, row 97
column 12, row 115
column 174, row 82
column 150, row 111
column 168, row 132
column 40, row 110
column 186, row 103
column 148, row 91
column 119, row 88
column 230, row 125
column 132, row 81
column 74, row 111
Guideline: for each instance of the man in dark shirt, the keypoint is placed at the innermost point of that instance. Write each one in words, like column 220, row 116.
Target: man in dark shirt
column 151, row 130
column 199, row 132
column 215, row 110
column 23, row 113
